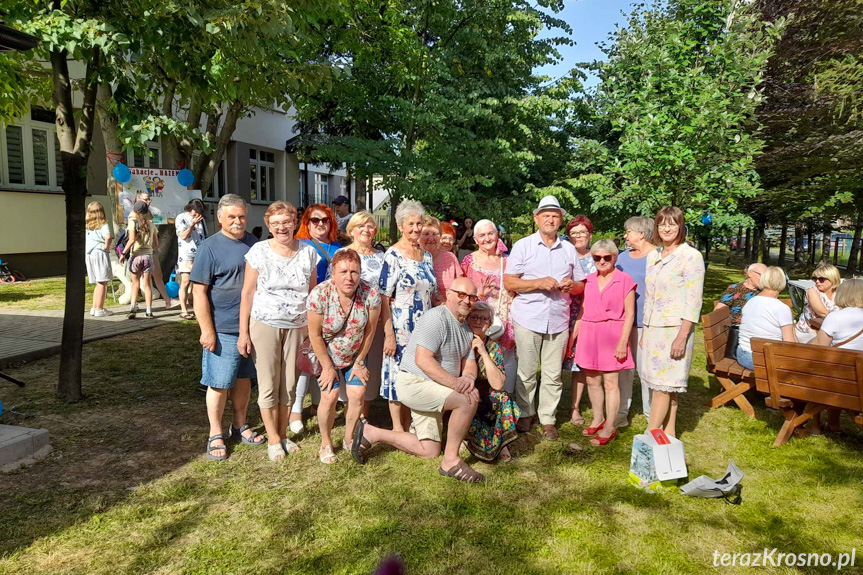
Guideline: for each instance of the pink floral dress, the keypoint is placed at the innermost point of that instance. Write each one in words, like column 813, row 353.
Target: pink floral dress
column 343, row 344
column 493, row 294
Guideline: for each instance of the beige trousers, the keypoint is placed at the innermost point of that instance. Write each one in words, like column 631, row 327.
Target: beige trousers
column 275, row 353
column 543, row 350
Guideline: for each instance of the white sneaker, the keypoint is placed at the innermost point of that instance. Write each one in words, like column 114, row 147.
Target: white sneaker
column 102, row 313
column 92, row 311
column 297, row 426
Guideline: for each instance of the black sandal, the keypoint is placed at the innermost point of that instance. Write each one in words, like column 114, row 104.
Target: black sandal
column 360, row 444
column 461, row 471
column 211, row 448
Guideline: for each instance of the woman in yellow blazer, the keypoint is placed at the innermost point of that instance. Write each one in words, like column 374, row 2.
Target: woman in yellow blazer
column 674, row 285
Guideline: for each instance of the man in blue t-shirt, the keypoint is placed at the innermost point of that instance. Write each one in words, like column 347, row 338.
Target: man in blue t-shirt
column 217, row 275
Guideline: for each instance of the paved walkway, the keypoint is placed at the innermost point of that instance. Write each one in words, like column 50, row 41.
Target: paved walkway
column 28, row 335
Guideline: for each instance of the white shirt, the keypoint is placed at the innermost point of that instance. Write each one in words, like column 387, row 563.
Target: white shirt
column 283, row 284
column 763, row 317
column 187, row 248
column 844, row 323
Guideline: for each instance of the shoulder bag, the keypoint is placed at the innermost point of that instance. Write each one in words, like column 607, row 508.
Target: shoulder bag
column 307, row 361
column 849, row 340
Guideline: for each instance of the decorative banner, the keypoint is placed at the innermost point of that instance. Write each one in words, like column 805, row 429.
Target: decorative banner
column 167, row 196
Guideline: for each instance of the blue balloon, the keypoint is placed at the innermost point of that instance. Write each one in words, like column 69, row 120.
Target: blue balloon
column 185, row 177
column 707, row 219
column 172, row 287
column 121, row 173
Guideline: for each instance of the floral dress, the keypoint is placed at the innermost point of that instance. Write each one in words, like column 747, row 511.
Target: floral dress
column 674, row 287
column 492, row 296
column 805, row 333
column 343, row 333
column 493, row 426
column 409, row 285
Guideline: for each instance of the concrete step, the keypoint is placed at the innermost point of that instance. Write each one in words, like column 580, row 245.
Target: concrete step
column 22, row 443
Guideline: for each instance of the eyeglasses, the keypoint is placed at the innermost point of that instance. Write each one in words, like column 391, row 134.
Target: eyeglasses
column 668, row 225
column 482, row 318
column 602, row 258
column 820, row 280
column 281, row 226
column 577, row 234
column 317, row 221
column 462, row 295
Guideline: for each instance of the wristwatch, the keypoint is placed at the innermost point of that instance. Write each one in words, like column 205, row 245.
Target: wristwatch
column 360, row 362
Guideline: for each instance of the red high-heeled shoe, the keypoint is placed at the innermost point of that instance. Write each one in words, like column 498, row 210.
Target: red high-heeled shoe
column 600, row 441
column 591, row 431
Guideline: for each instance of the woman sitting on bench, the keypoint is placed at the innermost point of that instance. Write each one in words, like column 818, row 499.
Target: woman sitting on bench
column 765, row 316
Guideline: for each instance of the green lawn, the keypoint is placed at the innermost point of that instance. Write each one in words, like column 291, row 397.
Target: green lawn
column 127, row 491
column 45, row 294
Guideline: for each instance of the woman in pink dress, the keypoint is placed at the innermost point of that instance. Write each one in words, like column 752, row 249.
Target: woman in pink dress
column 604, row 324
column 486, row 267
column 446, row 267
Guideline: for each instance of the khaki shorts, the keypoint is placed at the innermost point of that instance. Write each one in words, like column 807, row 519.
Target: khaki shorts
column 426, row 399
column 275, row 353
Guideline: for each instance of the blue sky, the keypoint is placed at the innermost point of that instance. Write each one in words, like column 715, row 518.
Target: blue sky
column 591, row 22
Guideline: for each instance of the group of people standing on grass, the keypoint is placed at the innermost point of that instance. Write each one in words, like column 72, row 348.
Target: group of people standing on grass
column 432, row 334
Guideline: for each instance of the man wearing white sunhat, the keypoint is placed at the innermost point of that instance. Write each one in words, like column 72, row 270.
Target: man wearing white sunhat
column 544, row 272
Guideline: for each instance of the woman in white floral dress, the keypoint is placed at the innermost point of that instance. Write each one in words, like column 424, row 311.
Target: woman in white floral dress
column 407, row 283
column 674, row 286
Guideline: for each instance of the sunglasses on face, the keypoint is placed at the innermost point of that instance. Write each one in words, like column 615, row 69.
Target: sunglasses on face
column 598, row 259
column 481, row 318
column 317, row 221
column 821, row 280
column 462, row 295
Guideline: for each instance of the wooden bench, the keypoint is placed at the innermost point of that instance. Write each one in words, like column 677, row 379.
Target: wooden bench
column 802, row 380
column 733, row 377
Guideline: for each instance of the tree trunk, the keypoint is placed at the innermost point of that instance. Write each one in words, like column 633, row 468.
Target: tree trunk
column 798, row 242
column 855, row 245
column 205, row 172
column 394, row 230
column 75, row 144
column 761, row 244
column 783, row 239
column 825, row 243
column 747, row 249
column 810, row 234
column 361, row 194
column 109, row 123
column 756, row 242
column 739, row 238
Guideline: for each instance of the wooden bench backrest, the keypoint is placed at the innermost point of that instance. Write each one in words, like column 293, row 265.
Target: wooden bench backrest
column 715, row 329
column 809, row 373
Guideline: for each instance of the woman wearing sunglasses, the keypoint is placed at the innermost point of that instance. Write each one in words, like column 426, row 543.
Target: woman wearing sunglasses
column 819, row 302
column 318, row 229
column 605, row 322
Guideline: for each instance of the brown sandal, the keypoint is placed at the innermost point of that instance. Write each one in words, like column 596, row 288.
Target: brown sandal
column 461, row 471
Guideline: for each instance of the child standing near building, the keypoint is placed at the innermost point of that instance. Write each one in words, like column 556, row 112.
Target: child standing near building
column 98, row 264
column 143, row 241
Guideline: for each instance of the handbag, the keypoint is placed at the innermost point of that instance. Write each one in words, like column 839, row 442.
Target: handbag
column 307, row 361
column 497, row 327
column 849, row 340
column 733, row 342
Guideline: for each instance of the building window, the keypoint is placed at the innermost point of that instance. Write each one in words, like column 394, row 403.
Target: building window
column 262, row 175
column 322, row 185
column 219, row 187
column 149, row 157
column 30, row 153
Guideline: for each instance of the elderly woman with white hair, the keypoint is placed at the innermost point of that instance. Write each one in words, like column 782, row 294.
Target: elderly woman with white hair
column 486, row 267
column 407, row 284
column 603, row 327
column 638, row 235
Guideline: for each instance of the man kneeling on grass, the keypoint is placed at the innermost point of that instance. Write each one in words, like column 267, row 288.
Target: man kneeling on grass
column 437, row 374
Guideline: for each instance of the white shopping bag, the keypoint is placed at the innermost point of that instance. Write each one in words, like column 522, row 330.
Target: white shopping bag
column 657, row 460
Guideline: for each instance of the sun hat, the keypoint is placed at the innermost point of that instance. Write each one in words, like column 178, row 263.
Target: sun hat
column 549, row 203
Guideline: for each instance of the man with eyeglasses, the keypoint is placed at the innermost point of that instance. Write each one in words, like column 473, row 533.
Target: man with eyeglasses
column 437, row 374
column 544, row 271
column 736, row 295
